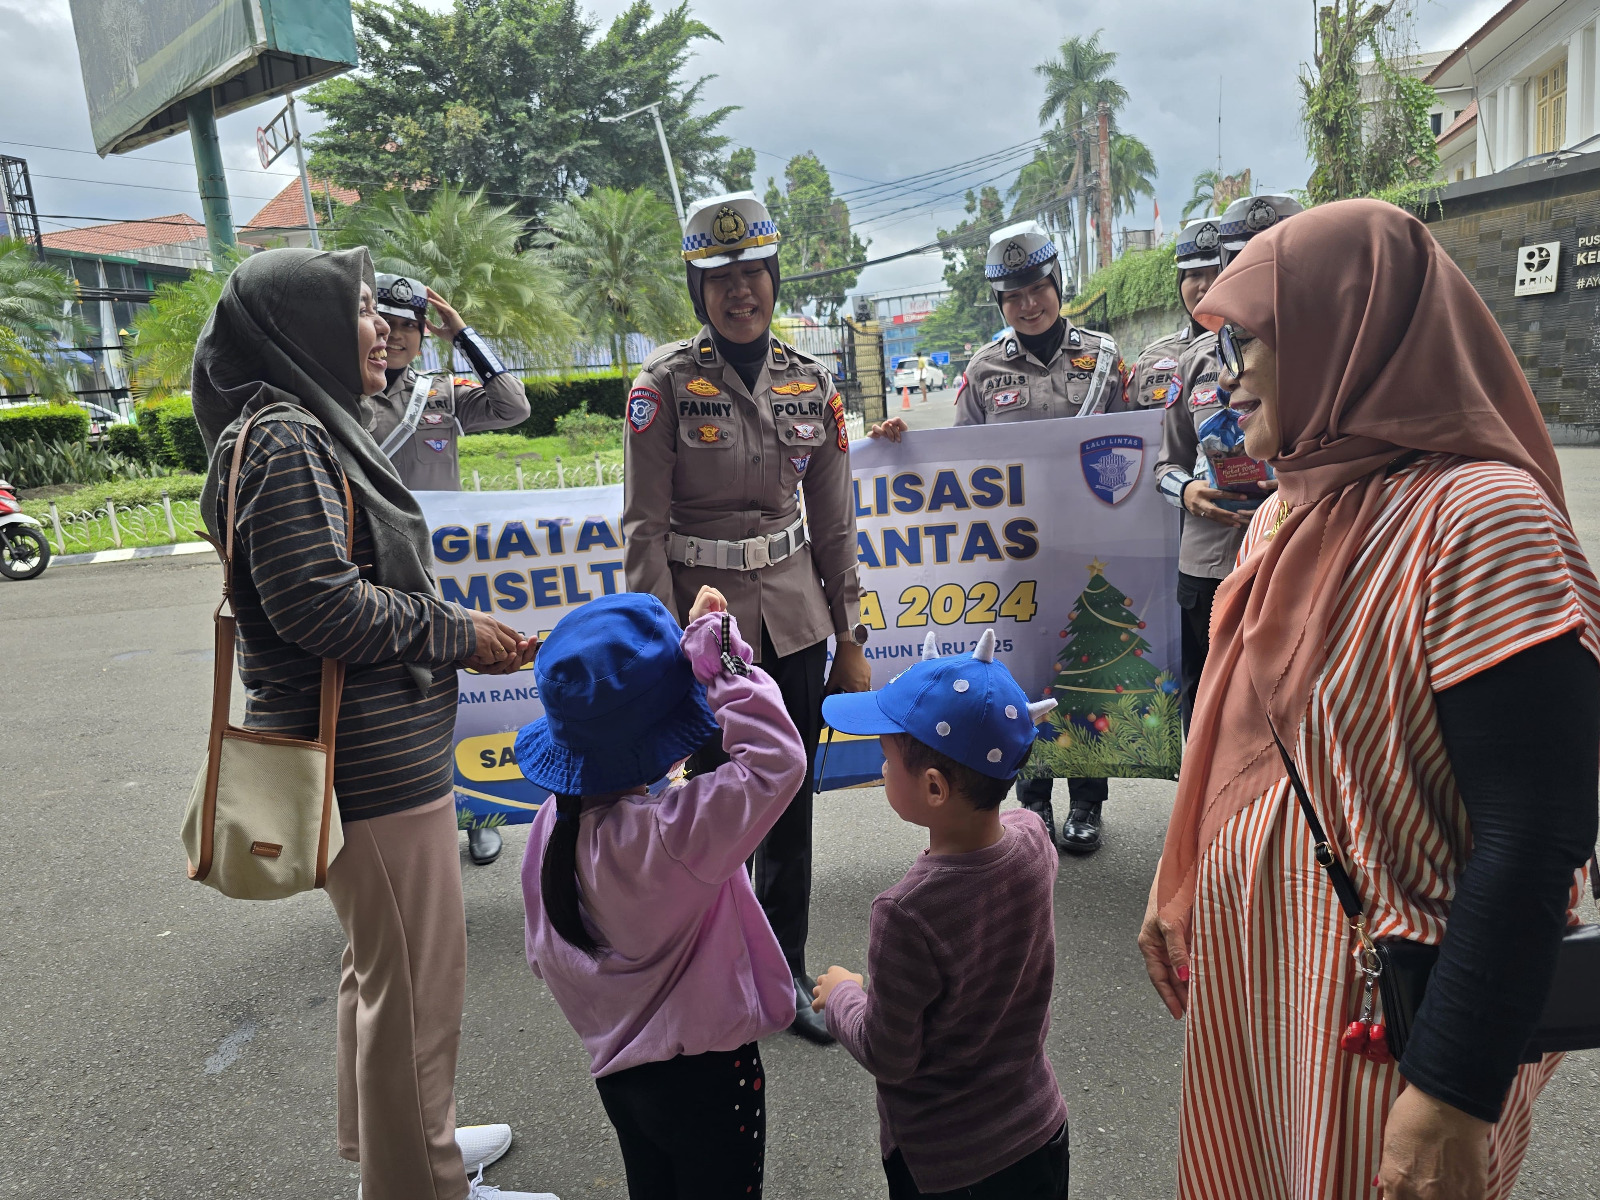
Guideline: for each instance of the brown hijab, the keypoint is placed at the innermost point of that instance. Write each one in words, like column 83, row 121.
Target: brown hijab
column 1383, row 347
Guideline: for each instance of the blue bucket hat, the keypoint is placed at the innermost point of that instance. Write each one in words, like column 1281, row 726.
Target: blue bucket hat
column 621, row 703
column 964, row 705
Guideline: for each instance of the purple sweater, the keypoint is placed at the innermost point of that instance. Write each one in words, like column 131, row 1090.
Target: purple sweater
column 690, row 964
column 962, row 963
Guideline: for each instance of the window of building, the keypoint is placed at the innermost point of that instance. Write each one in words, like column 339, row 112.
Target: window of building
column 1550, row 124
column 1435, row 122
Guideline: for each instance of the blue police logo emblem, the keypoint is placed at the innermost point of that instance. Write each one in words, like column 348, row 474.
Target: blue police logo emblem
column 643, row 405
column 1111, row 465
column 437, row 445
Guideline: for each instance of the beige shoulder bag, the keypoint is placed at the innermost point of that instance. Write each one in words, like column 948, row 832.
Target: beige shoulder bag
column 263, row 822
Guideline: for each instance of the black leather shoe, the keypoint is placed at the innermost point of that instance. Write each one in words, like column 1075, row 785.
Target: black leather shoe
column 809, row 1025
column 1045, row 813
column 483, row 844
column 1081, row 832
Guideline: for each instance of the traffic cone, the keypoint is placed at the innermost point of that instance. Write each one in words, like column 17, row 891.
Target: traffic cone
column 905, row 399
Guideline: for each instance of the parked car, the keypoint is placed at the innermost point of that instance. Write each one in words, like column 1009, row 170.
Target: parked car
column 909, row 375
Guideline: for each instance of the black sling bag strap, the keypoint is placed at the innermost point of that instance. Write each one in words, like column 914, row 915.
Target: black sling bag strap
column 1571, row 1017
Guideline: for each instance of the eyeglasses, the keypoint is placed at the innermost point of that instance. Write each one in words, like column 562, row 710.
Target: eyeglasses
column 1231, row 341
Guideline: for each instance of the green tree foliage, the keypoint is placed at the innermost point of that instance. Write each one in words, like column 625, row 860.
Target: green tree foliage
column 1077, row 82
column 1204, row 197
column 466, row 249
column 161, row 355
column 814, row 225
column 741, row 167
column 1139, row 280
column 1133, row 172
column 1105, row 654
column 33, row 299
column 1364, row 142
column 617, row 255
column 506, row 95
column 968, row 313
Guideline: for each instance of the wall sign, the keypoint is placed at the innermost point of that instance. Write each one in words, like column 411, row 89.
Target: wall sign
column 1536, row 268
column 1587, row 259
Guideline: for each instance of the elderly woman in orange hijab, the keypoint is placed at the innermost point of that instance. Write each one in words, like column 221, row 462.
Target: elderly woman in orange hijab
column 1412, row 616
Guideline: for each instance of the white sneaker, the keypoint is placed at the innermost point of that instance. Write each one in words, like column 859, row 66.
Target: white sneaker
column 482, row 1145
column 487, row 1191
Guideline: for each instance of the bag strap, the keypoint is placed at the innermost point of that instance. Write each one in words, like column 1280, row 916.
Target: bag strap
column 1327, row 858
column 226, row 634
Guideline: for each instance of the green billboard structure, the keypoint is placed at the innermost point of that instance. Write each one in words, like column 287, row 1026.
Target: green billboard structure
column 152, row 68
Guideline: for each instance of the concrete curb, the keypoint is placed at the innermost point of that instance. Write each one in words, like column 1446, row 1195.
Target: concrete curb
column 128, row 553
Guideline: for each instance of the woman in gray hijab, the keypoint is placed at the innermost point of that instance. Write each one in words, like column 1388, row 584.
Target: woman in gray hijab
column 296, row 341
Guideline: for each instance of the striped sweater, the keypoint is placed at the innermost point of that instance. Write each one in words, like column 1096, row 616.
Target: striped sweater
column 299, row 600
column 962, row 961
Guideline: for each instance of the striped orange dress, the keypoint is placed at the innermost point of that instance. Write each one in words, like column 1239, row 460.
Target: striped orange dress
column 1466, row 564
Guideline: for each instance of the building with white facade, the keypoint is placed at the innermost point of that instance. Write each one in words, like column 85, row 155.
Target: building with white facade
column 1533, row 77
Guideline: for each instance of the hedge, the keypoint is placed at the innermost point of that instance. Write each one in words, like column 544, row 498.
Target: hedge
column 127, row 441
column 1138, row 280
column 47, row 422
column 605, row 394
column 171, row 435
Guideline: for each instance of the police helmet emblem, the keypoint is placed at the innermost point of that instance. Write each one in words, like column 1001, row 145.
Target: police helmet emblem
column 400, row 290
column 1206, row 237
column 1260, row 215
column 728, row 226
column 1013, row 256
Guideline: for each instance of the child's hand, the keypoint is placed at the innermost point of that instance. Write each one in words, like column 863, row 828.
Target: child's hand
column 827, row 981
column 709, row 600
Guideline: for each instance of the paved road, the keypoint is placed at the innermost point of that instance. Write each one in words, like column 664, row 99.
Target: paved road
column 159, row 1041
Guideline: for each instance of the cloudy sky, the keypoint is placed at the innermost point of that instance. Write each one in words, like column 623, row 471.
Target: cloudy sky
column 880, row 91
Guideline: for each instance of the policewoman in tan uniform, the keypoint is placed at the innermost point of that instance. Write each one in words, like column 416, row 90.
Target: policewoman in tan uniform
column 417, row 418
column 1043, row 367
column 1199, row 254
column 1211, row 534
column 726, row 431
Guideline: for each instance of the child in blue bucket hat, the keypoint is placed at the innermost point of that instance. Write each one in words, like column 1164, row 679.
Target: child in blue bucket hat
column 640, row 914
column 962, row 950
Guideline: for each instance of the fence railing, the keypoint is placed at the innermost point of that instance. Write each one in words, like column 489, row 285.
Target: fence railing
column 561, row 476
column 114, row 525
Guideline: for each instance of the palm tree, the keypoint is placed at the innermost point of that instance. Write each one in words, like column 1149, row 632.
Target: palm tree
column 1133, row 172
column 1076, row 84
column 618, row 255
column 469, row 252
column 1204, row 198
column 35, row 318
column 161, row 356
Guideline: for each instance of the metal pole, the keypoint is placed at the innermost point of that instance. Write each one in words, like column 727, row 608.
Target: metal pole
column 305, row 182
column 55, row 520
column 672, row 175
column 166, row 507
column 208, row 168
column 1104, row 218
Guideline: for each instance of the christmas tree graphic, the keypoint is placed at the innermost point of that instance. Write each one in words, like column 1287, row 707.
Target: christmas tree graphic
column 1117, row 711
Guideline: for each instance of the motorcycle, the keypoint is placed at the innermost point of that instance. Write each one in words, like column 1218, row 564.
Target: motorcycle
column 24, row 550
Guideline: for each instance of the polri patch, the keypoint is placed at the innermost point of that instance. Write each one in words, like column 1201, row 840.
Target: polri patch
column 433, row 418
column 1174, row 390
column 1085, row 362
column 795, row 387
column 806, row 431
column 1164, row 364
column 1111, row 465
column 836, row 407
column 437, row 445
column 1203, row 397
column 702, row 387
column 710, row 434
column 643, row 405
column 800, row 462
column 1002, row 400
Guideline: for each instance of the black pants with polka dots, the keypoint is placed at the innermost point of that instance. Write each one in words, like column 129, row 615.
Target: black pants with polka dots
column 693, row 1126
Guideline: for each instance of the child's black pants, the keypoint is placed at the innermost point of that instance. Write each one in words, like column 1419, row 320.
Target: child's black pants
column 1041, row 1175
column 694, row 1126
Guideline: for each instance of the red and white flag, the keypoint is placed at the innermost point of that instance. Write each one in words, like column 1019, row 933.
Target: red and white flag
column 1160, row 233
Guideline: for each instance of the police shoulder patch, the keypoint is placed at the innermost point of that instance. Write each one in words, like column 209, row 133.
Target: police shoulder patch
column 836, row 407
column 464, row 381
column 643, row 405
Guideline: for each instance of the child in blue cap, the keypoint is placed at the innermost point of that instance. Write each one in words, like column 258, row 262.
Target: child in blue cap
column 963, row 949
column 640, row 914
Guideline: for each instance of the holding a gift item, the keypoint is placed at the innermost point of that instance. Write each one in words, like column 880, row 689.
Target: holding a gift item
column 640, row 914
column 962, row 955
column 1187, row 474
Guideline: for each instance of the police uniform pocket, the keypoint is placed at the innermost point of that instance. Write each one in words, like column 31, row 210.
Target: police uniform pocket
column 436, row 430
column 1003, row 401
column 708, row 433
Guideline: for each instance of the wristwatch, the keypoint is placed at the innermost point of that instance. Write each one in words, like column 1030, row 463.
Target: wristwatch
column 856, row 635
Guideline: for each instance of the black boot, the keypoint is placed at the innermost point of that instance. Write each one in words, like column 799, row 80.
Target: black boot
column 1034, row 795
column 809, row 1025
column 1081, row 833
column 483, row 844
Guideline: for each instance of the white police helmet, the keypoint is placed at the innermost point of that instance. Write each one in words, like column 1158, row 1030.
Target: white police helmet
column 1250, row 215
column 1020, row 255
column 1200, row 245
column 401, row 296
column 724, row 228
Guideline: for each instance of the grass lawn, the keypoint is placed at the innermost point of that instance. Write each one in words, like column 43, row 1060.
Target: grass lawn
column 495, row 457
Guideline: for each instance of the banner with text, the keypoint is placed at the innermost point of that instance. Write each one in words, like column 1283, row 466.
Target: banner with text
column 1052, row 533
